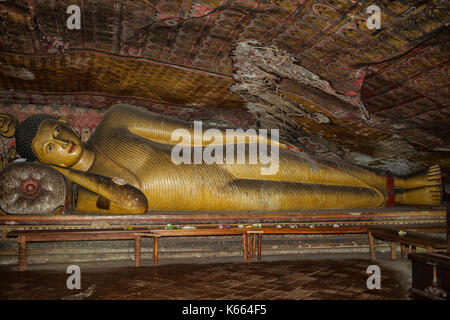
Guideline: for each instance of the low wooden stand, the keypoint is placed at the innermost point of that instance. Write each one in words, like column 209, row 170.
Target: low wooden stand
column 137, row 246
column 23, row 237
column 412, row 239
column 206, row 232
column 251, row 237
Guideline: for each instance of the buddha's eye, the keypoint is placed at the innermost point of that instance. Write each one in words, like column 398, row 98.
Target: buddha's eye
column 57, row 131
column 49, row 147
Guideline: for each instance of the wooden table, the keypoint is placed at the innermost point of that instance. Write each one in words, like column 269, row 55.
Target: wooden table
column 208, row 232
column 252, row 237
column 411, row 238
column 23, row 237
column 78, row 235
column 137, row 246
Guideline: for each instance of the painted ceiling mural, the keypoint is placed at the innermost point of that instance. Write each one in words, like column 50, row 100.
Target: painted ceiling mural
column 313, row 69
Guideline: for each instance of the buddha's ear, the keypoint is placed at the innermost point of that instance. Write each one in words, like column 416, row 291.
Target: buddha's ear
column 63, row 120
column 8, row 124
column 68, row 124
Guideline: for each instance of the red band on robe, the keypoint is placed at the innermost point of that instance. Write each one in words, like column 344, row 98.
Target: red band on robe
column 390, row 191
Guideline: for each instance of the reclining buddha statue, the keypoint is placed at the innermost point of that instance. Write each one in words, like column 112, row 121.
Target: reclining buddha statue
column 126, row 166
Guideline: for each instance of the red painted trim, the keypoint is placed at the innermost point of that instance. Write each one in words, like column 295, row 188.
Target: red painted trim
column 390, row 191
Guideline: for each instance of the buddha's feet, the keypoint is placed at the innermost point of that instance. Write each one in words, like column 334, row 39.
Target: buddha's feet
column 430, row 195
column 429, row 177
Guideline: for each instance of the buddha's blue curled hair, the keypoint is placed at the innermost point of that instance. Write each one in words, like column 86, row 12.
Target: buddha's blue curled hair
column 25, row 133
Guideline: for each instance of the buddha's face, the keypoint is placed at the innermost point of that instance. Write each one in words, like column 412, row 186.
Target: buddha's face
column 12, row 153
column 57, row 143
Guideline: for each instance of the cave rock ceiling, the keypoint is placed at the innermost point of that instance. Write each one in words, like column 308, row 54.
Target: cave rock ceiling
column 313, row 69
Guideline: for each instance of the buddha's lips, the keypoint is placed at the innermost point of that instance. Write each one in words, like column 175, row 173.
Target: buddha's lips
column 72, row 147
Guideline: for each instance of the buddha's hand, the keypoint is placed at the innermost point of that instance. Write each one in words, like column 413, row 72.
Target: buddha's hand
column 125, row 198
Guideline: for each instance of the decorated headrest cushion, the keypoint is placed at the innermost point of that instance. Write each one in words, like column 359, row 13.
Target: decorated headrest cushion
column 31, row 189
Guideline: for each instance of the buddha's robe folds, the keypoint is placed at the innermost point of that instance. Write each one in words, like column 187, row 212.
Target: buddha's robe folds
column 136, row 145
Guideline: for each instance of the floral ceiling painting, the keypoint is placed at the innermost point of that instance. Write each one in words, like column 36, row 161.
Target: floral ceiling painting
column 313, row 69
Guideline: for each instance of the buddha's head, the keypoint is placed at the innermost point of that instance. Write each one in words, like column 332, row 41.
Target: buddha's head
column 12, row 152
column 49, row 139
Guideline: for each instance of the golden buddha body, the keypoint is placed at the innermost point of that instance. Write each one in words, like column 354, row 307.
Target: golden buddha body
column 126, row 167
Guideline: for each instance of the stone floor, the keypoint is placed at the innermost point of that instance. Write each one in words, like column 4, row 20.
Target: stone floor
column 307, row 278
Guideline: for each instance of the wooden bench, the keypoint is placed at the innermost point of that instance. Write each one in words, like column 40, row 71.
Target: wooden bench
column 210, row 232
column 411, row 239
column 79, row 235
column 252, row 237
column 119, row 234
